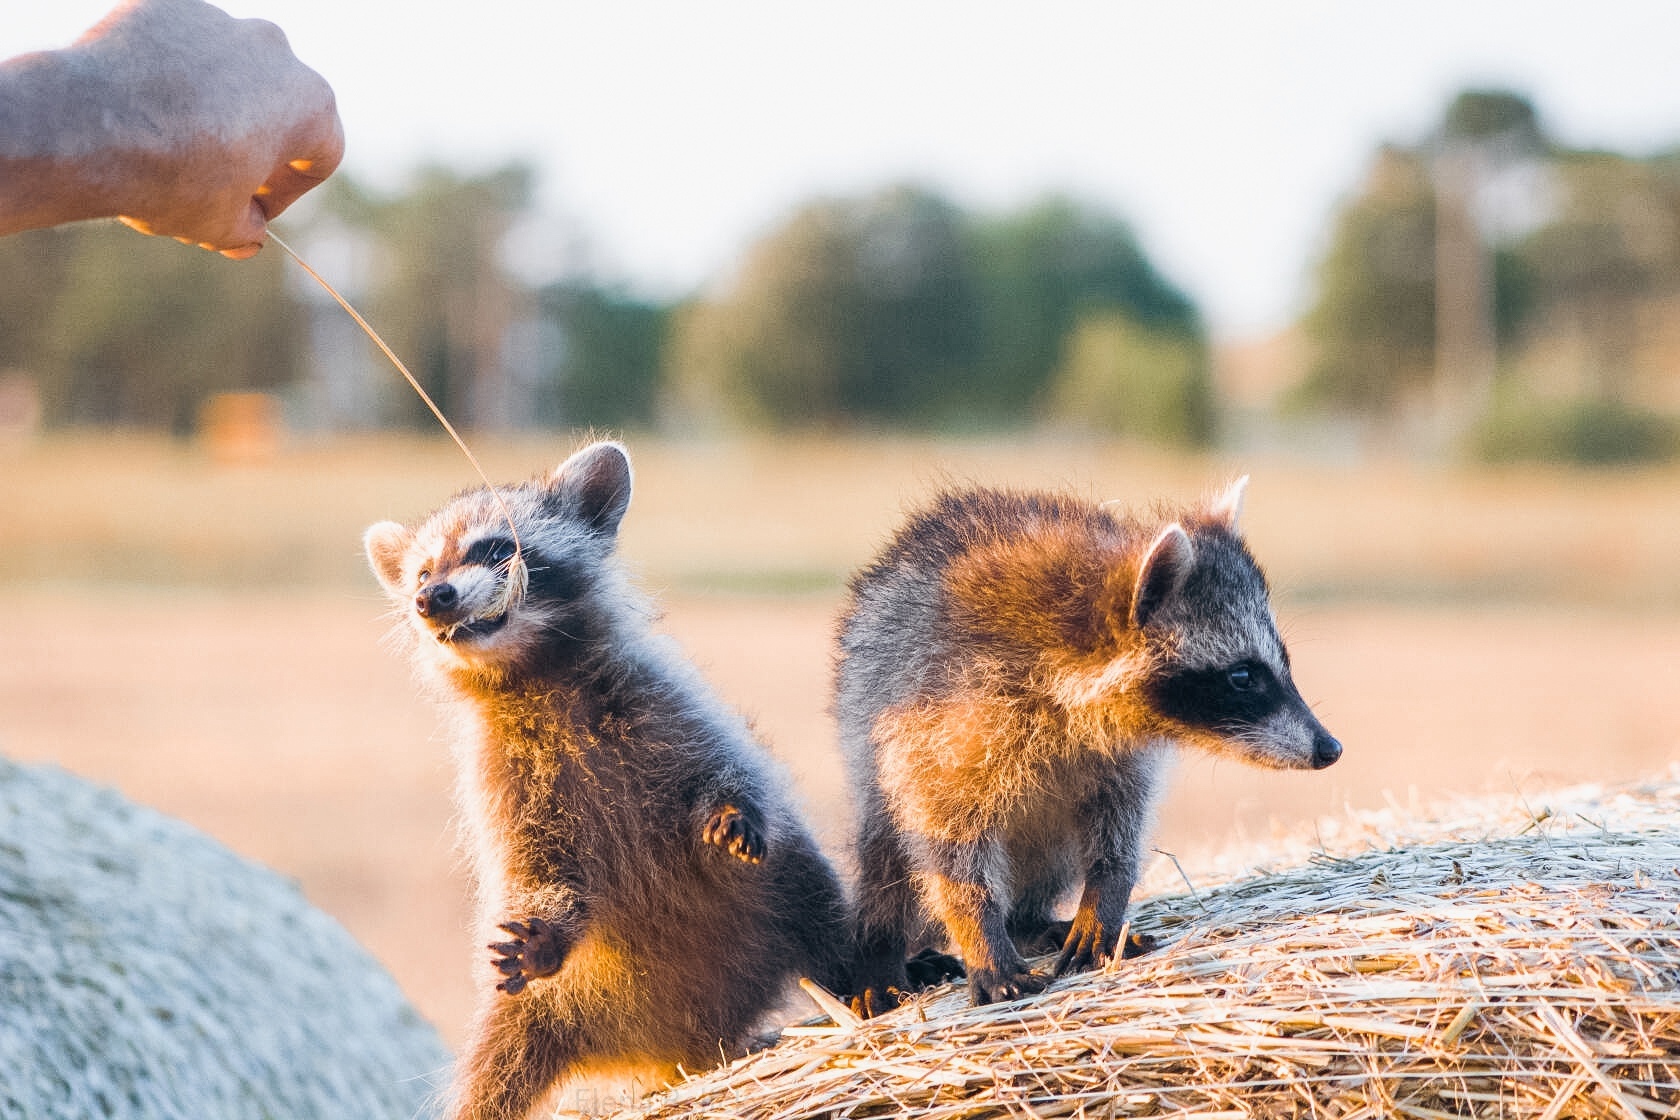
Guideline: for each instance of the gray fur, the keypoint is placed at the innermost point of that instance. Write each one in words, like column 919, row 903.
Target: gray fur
column 1013, row 672
column 657, row 889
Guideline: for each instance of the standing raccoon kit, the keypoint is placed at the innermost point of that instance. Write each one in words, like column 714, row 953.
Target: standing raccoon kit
column 1012, row 670
column 658, row 891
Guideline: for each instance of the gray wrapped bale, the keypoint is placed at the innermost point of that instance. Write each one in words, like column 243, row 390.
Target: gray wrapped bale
column 146, row 971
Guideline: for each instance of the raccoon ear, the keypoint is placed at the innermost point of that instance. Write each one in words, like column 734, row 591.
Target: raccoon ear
column 1228, row 506
column 385, row 544
column 594, row 486
column 1163, row 573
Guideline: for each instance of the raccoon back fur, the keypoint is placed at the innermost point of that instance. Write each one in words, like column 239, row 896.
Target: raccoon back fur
column 1013, row 670
column 657, row 889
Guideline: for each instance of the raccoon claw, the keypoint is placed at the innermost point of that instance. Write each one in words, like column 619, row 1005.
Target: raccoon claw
column 537, row 949
column 1075, row 956
column 1086, row 946
column 1138, row 945
column 876, row 999
column 729, row 829
column 930, row 967
column 991, row 985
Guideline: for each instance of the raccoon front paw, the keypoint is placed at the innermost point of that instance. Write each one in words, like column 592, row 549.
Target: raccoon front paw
column 537, row 949
column 1083, row 948
column 930, row 967
column 1138, row 945
column 879, row 982
column 876, row 999
column 1087, row 944
column 995, row 985
column 729, row 829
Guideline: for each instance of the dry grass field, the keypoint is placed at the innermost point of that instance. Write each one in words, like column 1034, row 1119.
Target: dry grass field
column 204, row 637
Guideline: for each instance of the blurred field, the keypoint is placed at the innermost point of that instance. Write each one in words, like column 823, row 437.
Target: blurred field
column 204, row 636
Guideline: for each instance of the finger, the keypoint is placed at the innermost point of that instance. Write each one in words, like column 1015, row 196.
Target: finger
column 310, row 162
column 518, row 929
column 243, row 253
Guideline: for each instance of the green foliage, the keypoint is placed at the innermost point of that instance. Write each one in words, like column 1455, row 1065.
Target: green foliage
column 1588, row 432
column 852, row 310
column 439, row 294
column 1373, row 325
column 1122, row 378
column 916, row 314
column 122, row 329
column 610, row 347
column 1576, row 287
column 894, row 309
column 1480, row 115
column 1043, row 268
column 901, row 309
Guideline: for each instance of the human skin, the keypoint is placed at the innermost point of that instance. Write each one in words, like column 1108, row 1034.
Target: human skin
column 172, row 116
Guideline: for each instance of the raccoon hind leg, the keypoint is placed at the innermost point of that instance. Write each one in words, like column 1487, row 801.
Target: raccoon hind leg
column 886, row 904
column 521, row 1049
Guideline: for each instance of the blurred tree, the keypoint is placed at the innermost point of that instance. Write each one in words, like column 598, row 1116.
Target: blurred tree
column 1483, row 116
column 1372, row 328
column 119, row 329
column 33, row 268
column 901, row 309
column 1510, row 287
column 1120, row 377
column 609, row 346
column 440, row 294
column 770, row 349
column 1483, row 136
column 1611, row 246
column 852, row 310
column 1039, row 271
column 918, row 318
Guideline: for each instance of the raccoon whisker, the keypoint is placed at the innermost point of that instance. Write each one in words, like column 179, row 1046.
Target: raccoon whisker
column 558, row 630
column 515, row 581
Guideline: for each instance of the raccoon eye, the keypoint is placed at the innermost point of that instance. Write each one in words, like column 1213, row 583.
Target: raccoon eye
column 490, row 552
column 1241, row 678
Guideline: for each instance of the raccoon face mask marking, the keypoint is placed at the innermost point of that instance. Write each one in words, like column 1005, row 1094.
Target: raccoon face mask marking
column 1249, row 706
column 450, row 576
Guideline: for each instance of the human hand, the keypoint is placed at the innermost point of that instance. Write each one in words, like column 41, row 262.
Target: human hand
column 220, row 127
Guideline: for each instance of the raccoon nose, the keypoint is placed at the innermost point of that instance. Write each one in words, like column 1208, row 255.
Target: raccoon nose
column 436, row 598
column 1325, row 750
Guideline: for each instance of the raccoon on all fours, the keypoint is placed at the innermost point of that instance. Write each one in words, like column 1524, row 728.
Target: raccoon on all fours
column 1013, row 670
column 658, row 890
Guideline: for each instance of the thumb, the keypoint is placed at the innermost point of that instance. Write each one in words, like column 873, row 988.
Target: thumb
column 247, row 236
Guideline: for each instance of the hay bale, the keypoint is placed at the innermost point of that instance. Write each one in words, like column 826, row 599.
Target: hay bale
column 1526, row 964
column 146, row 971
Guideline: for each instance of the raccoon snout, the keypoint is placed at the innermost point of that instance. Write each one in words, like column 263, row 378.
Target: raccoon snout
column 436, row 599
column 1326, row 750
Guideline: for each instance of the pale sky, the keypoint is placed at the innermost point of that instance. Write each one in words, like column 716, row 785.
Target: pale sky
column 672, row 133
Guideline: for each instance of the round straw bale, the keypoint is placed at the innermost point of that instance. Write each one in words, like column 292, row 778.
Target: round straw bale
column 1523, row 963
column 146, row 971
